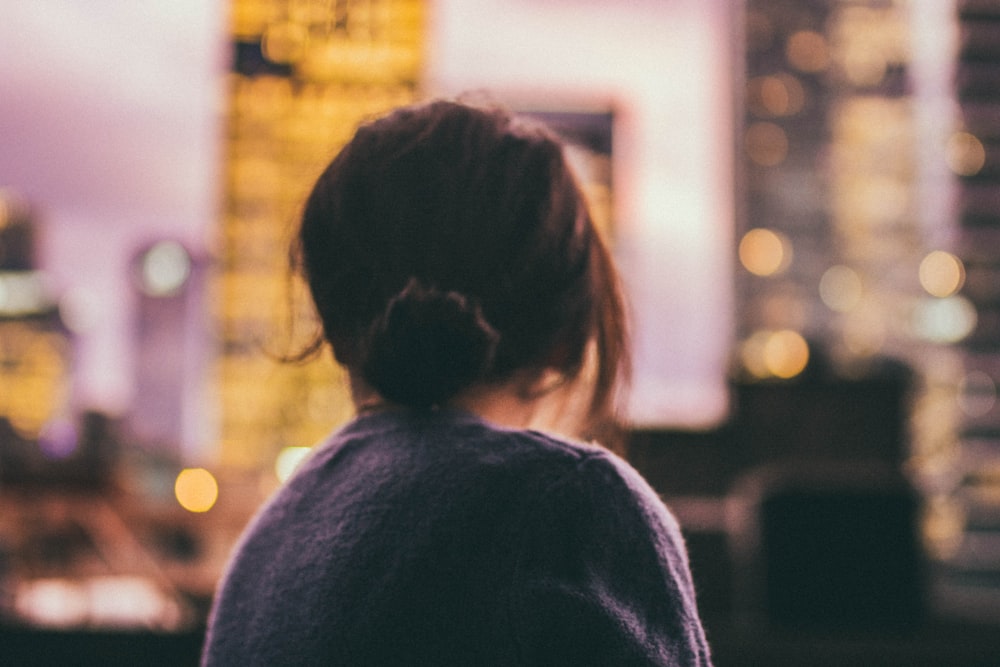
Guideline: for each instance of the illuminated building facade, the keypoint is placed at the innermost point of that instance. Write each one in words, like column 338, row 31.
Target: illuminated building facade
column 38, row 431
column 854, row 252
column 305, row 73
column 971, row 492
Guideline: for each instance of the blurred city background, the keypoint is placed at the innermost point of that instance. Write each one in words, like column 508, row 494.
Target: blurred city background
column 804, row 196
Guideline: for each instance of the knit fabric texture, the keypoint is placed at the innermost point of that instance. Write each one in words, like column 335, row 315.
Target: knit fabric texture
column 432, row 538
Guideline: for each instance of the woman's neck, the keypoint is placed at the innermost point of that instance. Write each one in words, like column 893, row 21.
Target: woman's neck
column 513, row 403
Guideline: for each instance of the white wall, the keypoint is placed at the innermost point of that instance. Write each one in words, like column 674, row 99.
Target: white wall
column 666, row 67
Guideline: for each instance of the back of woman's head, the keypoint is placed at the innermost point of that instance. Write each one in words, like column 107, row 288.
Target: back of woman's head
column 449, row 245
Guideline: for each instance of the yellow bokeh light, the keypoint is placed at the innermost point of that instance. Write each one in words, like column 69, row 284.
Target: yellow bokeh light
column 775, row 354
column 786, row 353
column 840, row 288
column 807, row 51
column 941, row 273
column 196, row 489
column 965, row 154
column 766, row 144
column 765, row 252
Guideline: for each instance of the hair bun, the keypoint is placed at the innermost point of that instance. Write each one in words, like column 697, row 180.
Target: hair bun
column 427, row 346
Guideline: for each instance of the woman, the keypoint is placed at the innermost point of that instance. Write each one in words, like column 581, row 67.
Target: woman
column 460, row 281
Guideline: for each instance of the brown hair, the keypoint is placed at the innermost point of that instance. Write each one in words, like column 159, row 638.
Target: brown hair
column 448, row 245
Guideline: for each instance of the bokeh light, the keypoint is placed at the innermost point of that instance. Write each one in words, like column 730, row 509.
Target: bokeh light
column 840, row 288
column 111, row 602
column 786, row 354
column 941, row 273
column 775, row 95
column 164, row 269
column 965, row 154
column 807, row 50
column 196, row 489
column 288, row 461
column 52, row 602
column 766, row 144
column 765, row 252
column 780, row 354
column 946, row 320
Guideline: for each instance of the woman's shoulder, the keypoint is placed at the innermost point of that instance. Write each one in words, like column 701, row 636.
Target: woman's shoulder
column 457, row 431
column 452, row 444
